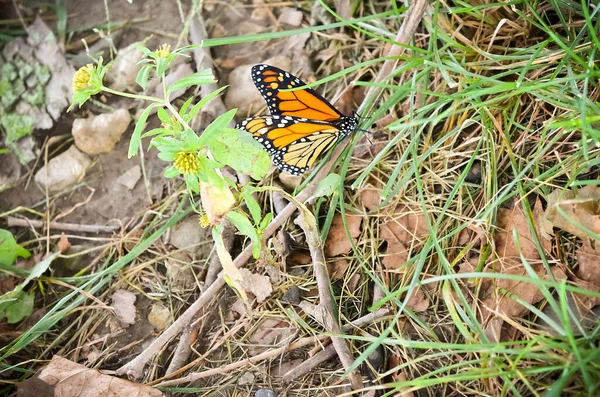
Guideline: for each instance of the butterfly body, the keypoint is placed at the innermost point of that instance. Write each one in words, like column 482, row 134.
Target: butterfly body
column 302, row 125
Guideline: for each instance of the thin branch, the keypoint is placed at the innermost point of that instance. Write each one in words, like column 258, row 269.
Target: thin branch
column 273, row 353
column 69, row 227
column 308, row 224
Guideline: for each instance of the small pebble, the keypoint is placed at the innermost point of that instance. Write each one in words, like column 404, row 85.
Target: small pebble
column 264, row 393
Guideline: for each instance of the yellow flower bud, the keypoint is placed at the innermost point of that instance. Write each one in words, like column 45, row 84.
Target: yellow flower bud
column 81, row 79
column 163, row 51
column 186, row 162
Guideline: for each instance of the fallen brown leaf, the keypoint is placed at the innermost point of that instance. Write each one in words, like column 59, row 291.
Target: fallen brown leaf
column 63, row 243
column 370, row 197
column 259, row 285
column 403, row 232
column 337, row 269
column 515, row 219
column 337, row 242
column 500, row 302
column 583, row 207
column 269, row 333
column 64, row 378
column 589, row 262
column 418, row 302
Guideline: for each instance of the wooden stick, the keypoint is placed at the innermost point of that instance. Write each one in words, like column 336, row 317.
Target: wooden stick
column 69, row 227
column 308, row 224
column 273, row 353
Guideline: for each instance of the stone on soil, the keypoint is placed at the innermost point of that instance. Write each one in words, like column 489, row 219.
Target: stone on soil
column 63, row 171
column 100, row 134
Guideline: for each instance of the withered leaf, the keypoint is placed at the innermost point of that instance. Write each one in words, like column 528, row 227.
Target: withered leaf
column 337, row 269
column 583, row 207
column 500, row 294
column 69, row 379
column 418, row 302
column 589, row 262
column 269, row 333
column 337, row 242
column 515, row 219
column 405, row 231
column 257, row 284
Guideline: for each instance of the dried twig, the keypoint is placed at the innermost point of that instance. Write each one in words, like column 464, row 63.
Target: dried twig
column 69, row 227
column 273, row 353
column 308, row 224
column 329, row 352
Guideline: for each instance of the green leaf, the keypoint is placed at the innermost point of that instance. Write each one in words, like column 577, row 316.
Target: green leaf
column 243, row 224
column 9, row 249
column 216, row 128
column 200, row 78
column 204, row 101
column 266, row 221
column 250, row 158
column 185, row 106
column 187, row 48
column 327, row 185
column 253, row 207
column 40, row 268
column 136, row 138
column 156, row 131
column 143, row 76
column 161, row 66
column 163, row 115
column 17, row 306
column 171, row 172
column 192, row 183
column 144, row 49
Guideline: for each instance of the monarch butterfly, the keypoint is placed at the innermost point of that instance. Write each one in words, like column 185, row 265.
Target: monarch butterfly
column 302, row 125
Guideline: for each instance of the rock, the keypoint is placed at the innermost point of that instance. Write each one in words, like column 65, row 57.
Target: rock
column 59, row 88
column 130, row 177
column 289, row 181
column 10, row 170
column 242, row 94
column 63, row 171
column 100, row 134
column 188, row 235
column 125, row 68
column 290, row 16
column 159, row 316
column 264, row 393
column 123, row 304
column 247, row 378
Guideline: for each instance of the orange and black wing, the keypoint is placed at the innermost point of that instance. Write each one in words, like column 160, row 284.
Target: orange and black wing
column 304, row 103
column 294, row 144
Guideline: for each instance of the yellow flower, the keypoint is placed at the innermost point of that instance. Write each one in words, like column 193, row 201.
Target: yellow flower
column 81, row 79
column 204, row 222
column 186, row 162
column 164, row 51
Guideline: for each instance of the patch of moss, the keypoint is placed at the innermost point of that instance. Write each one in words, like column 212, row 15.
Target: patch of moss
column 16, row 126
column 42, row 73
column 34, row 96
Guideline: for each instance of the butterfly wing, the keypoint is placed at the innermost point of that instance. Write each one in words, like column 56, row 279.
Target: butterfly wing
column 304, row 103
column 293, row 143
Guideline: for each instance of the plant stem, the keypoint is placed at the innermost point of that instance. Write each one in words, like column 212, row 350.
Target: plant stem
column 134, row 96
